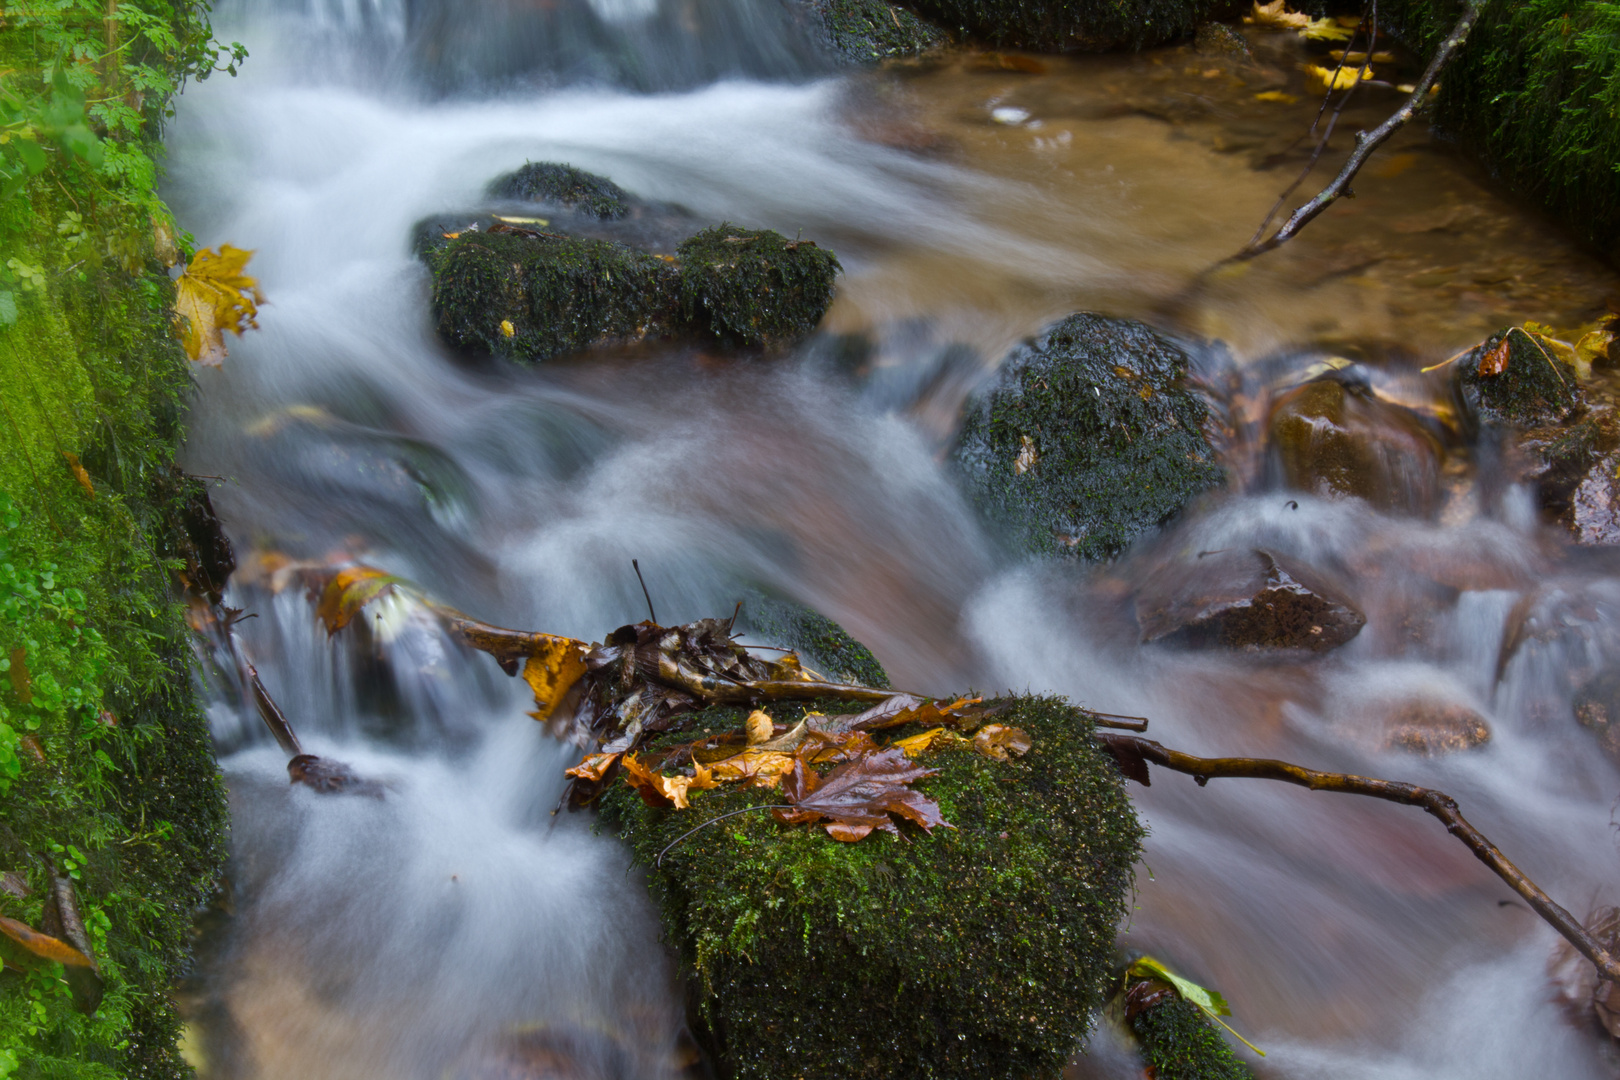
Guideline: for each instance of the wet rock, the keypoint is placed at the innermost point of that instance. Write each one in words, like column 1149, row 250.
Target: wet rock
column 1088, row 439
column 1333, row 439
column 1218, row 39
column 754, row 287
column 1244, row 599
column 552, row 184
column 1177, row 1040
column 1512, row 381
column 863, row 31
column 1594, row 505
column 823, row 644
column 1434, row 727
column 1060, row 25
column 1597, row 706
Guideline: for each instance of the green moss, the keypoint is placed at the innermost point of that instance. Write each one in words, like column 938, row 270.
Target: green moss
column 1088, row 440
column 1534, row 388
column 1179, row 1043
column 868, row 30
column 563, row 185
column 825, row 645
column 1535, row 93
column 973, row 952
column 1088, row 25
column 558, row 294
column 751, row 288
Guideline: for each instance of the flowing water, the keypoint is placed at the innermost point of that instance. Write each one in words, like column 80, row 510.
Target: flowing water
column 453, row 928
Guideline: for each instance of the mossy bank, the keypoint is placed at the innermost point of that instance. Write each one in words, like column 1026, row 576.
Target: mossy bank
column 107, row 775
column 975, row 951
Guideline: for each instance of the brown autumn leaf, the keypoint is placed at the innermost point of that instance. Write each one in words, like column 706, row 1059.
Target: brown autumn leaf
column 1496, row 361
column 759, row 727
column 831, row 749
column 754, row 768
column 659, row 790
column 1127, row 754
column 43, row 945
column 212, row 296
column 594, row 767
column 998, row 741
column 79, row 474
column 349, row 590
column 860, row 796
column 895, row 711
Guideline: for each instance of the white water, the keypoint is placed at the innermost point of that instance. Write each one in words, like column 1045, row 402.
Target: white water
column 406, row 937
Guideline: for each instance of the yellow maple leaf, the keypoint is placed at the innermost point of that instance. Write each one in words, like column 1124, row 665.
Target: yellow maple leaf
column 1276, row 15
column 1326, row 30
column 214, row 295
column 1322, row 79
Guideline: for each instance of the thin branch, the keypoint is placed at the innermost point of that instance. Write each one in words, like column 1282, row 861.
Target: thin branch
column 1367, row 142
column 659, row 861
column 1133, row 753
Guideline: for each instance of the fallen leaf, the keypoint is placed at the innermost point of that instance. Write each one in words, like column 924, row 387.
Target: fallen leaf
column 1028, row 456
column 1128, row 756
column 917, row 745
column 594, row 767
column 79, row 474
column 351, row 589
column 507, row 329
column 551, row 671
column 1593, row 347
column 42, row 945
column 659, row 790
column 1213, row 1005
column 1278, row 96
column 859, row 796
column 1323, row 80
column 1276, row 16
column 214, row 295
column 1496, row 361
column 1359, row 58
column 997, row 742
column 759, row 727
column 1326, row 30
column 754, row 768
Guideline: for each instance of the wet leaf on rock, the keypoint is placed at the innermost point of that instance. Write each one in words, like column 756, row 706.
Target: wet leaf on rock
column 594, row 767
column 659, row 790
column 998, row 742
column 1212, row 1004
column 1496, row 361
column 349, row 590
column 860, row 796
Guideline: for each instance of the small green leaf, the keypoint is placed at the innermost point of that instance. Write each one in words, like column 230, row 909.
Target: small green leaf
column 1213, row 1005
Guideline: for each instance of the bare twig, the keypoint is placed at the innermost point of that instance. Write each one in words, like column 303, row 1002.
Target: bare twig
column 1133, row 754
column 659, row 861
column 1367, row 142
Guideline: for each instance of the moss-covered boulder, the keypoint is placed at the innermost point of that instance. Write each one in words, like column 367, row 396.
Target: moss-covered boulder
column 975, row 951
column 864, row 31
column 553, row 184
column 825, row 646
column 1179, row 1043
column 1512, row 380
column 534, row 295
column 1088, row 439
column 1535, row 94
column 746, row 287
column 1061, row 25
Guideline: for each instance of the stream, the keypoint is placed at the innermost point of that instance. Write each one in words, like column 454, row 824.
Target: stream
column 455, row 928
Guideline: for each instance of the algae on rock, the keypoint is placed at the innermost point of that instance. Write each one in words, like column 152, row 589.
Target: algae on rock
column 1088, row 439
column 1178, row 1043
column 563, row 185
column 1058, row 25
column 826, row 646
column 754, row 287
column 980, row 950
column 867, row 30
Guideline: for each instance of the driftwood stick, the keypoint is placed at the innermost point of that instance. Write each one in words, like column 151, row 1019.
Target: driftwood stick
column 1367, row 142
column 1133, row 754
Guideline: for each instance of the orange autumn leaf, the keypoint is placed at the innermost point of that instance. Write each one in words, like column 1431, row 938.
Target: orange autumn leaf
column 918, row 745
column 43, row 945
column 659, row 790
column 79, row 474
column 1496, row 361
column 551, row 670
column 754, row 768
column 594, row 767
column 997, row 742
column 349, row 590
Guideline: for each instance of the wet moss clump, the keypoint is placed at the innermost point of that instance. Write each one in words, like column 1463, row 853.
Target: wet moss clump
column 1089, row 439
column 563, row 185
column 1179, row 1043
column 868, row 30
column 1059, row 25
column 826, row 646
column 533, row 296
column 973, row 952
column 1532, row 388
column 1535, row 93
column 747, row 287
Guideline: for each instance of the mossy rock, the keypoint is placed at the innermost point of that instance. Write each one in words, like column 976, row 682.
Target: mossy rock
column 1179, row 1043
column 749, row 287
column 1061, row 25
column 1088, row 439
column 864, row 31
column 977, row 951
column 534, row 295
column 825, row 646
column 1535, row 94
column 563, row 185
column 1533, row 388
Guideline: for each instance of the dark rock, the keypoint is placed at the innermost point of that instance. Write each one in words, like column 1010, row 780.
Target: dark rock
column 748, row 287
column 975, row 951
column 1061, row 25
column 1244, row 599
column 1333, row 439
column 1594, row 505
column 1597, row 706
column 563, row 185
column 534, row 295
column 1088, row 439
column 1218, row 39
column 867, row 30
column 1434, row 727
column 824, row 645
column 1533, row 387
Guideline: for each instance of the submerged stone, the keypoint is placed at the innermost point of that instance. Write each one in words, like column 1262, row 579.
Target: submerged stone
column 975, row 951
column 1088, row 439
column 1597, row 707
column 1434, row 727
column 1063, row 25
column 1244, row 599
column 1337, row 440
column 754, row 287
column 1513, row 381
column 563, row 185
column 533, row 295
column 867, row 30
